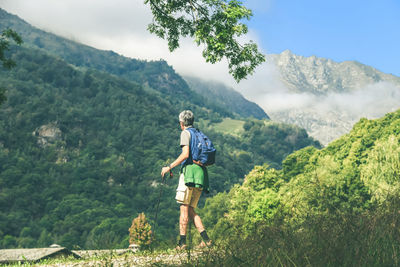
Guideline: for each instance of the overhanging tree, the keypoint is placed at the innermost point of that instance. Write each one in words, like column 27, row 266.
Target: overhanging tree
column 216, row 24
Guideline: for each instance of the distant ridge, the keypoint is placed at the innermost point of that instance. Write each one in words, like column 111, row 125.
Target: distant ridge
column 320, row 76
column 140, row 71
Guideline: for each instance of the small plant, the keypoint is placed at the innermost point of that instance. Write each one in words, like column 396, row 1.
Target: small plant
column 140, row 232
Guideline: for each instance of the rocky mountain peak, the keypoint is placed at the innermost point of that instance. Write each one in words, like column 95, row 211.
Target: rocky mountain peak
column 319, row 75
column 328, row 97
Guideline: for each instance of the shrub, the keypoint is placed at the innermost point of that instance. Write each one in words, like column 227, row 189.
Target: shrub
column 140, row 232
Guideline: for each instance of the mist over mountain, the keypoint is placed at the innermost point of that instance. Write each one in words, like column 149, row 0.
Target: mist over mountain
column 323, row 96
column 226, row 97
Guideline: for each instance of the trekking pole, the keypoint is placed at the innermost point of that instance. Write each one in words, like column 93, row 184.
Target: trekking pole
column 163, row 181
column 190, row 240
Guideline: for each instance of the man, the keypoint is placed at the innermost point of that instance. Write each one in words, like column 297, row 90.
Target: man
column 193, row 180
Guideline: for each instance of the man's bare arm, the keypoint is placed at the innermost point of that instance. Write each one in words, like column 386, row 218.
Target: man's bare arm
column 182, row 157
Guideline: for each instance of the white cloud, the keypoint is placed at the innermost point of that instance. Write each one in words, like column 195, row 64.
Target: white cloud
column 325, row 117
column 81, row 17
column 372, row 101
column 119, row 25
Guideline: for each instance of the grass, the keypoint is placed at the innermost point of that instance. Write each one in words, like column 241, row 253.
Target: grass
column 101, row 259
column 370, row 238
column 230, row 126
column 167, row 257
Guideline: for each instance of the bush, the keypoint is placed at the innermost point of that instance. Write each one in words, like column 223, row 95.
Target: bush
column 368, row 239
column 140, row 232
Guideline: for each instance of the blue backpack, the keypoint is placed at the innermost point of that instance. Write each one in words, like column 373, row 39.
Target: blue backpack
column 202, row 149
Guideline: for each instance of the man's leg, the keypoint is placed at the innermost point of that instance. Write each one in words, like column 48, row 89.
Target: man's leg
column 196, row 219
column 183, row 219
column 200, row 227
column 183, row 223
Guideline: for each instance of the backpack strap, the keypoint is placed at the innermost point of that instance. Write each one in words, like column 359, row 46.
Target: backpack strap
column 189, row 160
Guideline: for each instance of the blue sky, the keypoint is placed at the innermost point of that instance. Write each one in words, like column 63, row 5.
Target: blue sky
column 366, row 31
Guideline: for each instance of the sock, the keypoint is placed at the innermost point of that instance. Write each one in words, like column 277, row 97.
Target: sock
column 182, row 241
column 204, row 236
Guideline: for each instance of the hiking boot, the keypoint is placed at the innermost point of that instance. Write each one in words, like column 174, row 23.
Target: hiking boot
column 203, row 244
column 182, row 247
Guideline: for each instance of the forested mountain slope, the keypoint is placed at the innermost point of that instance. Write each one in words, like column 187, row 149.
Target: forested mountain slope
column 154, row 75
column 336, row 206
column 81, row 152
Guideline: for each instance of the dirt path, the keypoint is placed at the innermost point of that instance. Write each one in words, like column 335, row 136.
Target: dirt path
column 130, row 259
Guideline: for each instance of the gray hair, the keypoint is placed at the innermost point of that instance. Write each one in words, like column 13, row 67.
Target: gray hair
column 186, row 117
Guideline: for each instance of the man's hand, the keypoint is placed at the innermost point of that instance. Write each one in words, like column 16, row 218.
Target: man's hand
column 184, row 155
column 164, row 170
